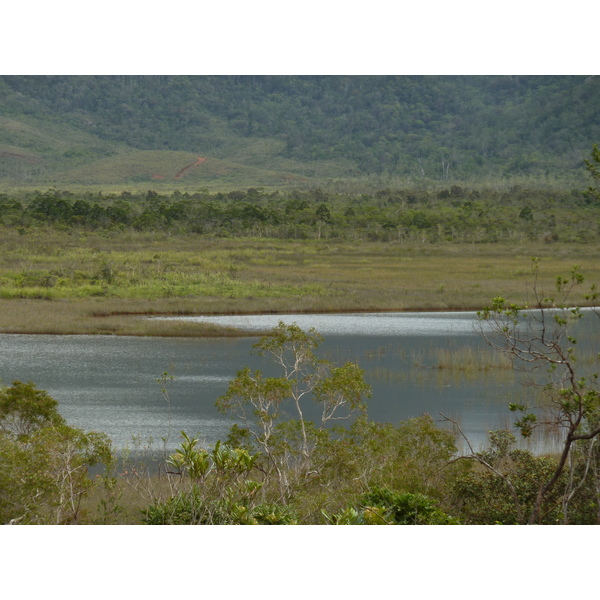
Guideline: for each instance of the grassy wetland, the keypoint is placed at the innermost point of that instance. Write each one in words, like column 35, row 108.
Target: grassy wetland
column 54, row 281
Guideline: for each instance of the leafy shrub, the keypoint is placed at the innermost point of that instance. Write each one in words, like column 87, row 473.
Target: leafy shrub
column 194, row 508
column 381, row 506
column 403, row 509
column 185, row 508
column 482, row 496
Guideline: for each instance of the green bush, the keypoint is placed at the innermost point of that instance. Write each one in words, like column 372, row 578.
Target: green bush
column 194, row 508
column 404, row 509
column 43, row 461
column 381, row 506
column 483, row 496
column 185, row 508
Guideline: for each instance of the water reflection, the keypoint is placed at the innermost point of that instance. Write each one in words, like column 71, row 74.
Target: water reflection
column 369, row 324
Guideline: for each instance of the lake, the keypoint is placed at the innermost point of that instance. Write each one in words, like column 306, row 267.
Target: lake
column 108, row 383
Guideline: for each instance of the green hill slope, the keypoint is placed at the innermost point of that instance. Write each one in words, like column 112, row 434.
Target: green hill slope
column 171, row 168
column 268, row 129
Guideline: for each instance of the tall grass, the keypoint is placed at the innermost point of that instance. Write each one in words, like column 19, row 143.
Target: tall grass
column 466, row 359
column 442, row 366
column 129, row 272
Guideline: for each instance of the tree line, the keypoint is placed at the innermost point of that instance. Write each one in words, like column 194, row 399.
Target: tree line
column 455, row 214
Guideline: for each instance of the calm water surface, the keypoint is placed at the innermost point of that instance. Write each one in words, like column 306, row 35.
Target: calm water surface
column 107, row 383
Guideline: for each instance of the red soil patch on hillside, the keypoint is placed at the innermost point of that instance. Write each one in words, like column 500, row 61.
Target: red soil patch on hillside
column 180, row 173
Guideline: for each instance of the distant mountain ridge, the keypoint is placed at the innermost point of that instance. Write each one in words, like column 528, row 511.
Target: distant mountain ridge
column 266, row 129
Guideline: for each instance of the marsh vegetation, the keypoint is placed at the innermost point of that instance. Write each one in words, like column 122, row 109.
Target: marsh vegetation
column 56, row 280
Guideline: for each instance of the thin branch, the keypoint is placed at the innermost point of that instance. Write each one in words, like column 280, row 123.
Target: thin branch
column 477, row 457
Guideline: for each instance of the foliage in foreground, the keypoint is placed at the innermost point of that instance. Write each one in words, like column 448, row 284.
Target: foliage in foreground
column 43, row 461
column 381, row 506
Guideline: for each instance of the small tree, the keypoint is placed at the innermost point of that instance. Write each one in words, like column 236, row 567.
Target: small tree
column 43, row 461
column 24, row 408
column 538, row 337
column 411, row 456
column 261, row 402
column 67, row 453
column 506, row 488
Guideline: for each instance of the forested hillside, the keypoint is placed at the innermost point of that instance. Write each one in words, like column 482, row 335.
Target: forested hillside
column 265, row 130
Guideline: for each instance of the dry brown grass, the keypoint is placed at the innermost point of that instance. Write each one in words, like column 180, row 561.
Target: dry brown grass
column 80, row 317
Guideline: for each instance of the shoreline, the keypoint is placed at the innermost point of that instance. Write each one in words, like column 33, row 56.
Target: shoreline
column 174, row 327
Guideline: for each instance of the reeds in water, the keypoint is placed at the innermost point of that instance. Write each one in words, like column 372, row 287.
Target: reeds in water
column 468, row 359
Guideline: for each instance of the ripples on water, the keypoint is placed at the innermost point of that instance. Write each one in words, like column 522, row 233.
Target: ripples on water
column 107, row 383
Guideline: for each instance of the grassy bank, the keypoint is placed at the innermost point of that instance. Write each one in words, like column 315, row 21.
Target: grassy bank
column 80, row 282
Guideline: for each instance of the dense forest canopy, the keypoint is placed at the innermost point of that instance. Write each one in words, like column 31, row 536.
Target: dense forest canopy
column 428, row 127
